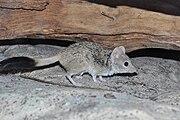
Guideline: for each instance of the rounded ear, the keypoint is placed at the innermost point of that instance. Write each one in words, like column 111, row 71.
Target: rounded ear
column 117, row 52
column 122, row 49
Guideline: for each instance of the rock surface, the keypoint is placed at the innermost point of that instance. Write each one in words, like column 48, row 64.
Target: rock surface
column 46, row 95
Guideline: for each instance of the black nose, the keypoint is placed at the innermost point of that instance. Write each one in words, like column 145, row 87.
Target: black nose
column 135, row 73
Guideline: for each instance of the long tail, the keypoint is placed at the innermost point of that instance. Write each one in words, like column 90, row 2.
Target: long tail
column 25, row 63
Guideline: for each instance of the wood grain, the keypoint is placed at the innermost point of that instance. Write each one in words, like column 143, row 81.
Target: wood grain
column 135, row 26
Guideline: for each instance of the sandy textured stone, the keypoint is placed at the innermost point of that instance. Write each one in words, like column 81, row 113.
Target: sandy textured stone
column 27, row 99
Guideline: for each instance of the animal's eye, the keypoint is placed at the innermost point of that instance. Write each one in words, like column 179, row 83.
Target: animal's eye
column 126, row 64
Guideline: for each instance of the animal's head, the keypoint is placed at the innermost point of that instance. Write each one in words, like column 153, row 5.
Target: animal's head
column 121, row 62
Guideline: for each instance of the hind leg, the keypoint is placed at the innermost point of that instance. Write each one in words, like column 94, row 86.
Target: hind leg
column 80, row 76
column 69, row 77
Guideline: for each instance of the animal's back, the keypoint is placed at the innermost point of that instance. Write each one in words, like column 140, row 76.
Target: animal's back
column 80, row 57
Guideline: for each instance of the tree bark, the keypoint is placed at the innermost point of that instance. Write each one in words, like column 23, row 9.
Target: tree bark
column 135, row 24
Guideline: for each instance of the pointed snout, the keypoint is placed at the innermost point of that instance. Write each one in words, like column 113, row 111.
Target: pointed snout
column 134, row 70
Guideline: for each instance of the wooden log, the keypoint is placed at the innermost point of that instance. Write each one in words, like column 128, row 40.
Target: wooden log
column 136, row 24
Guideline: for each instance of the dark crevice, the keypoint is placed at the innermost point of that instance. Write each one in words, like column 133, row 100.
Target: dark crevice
column 24, row 41
column 149, row 52
column 120, row 34
column 156, row 52
column 162, row 6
